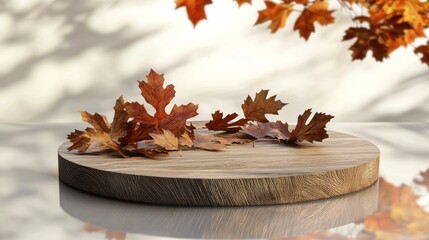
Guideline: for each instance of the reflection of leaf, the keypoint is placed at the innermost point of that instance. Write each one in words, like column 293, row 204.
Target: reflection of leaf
column 399, row 214
column 110, row 234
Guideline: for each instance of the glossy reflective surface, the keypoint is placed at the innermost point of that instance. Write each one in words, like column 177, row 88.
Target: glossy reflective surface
column 34, row 205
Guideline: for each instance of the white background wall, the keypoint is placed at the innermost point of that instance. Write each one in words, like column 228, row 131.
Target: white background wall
column 62, row 56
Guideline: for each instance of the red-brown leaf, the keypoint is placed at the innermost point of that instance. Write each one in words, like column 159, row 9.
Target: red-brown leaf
column 227, row 123
column 313, row 131
column 258, row 130
column 257, row 109
column 317, row 12
column 155, row 94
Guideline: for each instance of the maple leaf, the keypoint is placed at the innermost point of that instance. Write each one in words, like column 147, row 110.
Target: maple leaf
column 241, row 2
column 194, row 8
column 166, row 140
column 103, row 135
column 317, row 12
column 277, row 13
column 313, row 131
column 376, row 38
column 257, row 109
column 159, row 97
column 424, row 50
column 220, row 123
column 258, row 130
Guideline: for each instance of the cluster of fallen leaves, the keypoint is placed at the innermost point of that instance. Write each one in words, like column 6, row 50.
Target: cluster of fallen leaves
column 134, row 131
column 381, row 26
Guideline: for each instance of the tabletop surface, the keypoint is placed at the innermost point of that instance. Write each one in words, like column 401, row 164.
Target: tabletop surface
column 35, row 205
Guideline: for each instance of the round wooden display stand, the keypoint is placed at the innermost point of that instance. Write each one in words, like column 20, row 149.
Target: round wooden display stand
column 264, row 174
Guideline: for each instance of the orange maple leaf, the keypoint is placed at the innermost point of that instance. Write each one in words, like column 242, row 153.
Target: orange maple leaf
column 399, row 216
column 256, row 109
column 277, row 13
column 241, row 2
column 159, row 97
column 194, row 8
column 317, row 12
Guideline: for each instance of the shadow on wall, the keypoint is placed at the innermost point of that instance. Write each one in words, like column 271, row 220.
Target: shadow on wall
column 63, row 56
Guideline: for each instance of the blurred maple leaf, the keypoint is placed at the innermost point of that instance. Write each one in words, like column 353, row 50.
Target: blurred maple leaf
column 155, row 94
column 317, row 12
column 391, row 23
column 277, row 13
column 194, row 8
column 377, row 38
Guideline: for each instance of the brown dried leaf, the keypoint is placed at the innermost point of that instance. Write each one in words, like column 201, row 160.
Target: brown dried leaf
column 104, row 136
column 259, row 130
column 313, row 131
column 257, row 109
column 208, row 142
column 220, row 123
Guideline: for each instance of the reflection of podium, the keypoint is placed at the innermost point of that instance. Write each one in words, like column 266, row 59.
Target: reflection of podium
column 276, row 221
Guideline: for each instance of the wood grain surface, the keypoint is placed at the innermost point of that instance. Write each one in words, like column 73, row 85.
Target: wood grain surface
column 264, row 174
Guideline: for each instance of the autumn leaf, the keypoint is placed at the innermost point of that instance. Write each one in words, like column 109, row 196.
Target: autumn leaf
column 277, row 13
column 258, row 130
column 424, row 51
column 159, row 97
column 109, row 234
column 208, row 142
column 227, row 123
column 241, row 2
column 313, row 131
column 317, row 12
column 376, row 38
column 103, row 135
column 399, row 215
column 166, row 140
column 194, row 8
column 257, row 109
column 280, row 130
